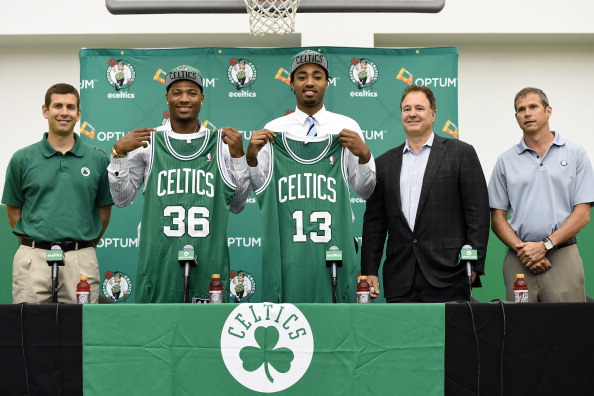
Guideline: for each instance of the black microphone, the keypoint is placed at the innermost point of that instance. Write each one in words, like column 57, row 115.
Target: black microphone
column 55, row 256
column 467, row 255
column 187, row 256
column 55, row 259
column 334, row 260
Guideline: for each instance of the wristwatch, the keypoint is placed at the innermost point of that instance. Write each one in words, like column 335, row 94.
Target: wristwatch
column 114, row 154
column 548, row 244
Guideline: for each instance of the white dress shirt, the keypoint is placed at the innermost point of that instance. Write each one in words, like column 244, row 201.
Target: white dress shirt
column 412, row 174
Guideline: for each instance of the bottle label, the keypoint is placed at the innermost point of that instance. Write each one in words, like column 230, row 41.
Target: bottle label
column 82, row 297
column 363, row 297
column 521, row 296
column 216, row 296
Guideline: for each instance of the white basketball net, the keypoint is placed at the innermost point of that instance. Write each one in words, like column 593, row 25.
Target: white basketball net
column 270, row 16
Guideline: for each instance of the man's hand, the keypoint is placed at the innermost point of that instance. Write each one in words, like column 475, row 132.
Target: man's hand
column 374, row 282
column 232, row 138
column 257, row 141
column 133, row 139
column 353, row 141
column 541, row 266
column 531, row 253
column 14, row 214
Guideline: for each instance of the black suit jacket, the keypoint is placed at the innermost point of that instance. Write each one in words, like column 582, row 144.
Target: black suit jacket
column 453, row 211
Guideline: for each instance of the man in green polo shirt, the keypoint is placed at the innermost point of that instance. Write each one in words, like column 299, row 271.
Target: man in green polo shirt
column 56, row 192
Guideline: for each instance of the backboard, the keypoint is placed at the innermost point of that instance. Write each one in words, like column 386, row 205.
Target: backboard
column 238, row 6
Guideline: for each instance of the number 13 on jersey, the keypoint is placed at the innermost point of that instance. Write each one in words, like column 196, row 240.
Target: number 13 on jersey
column 323, row 220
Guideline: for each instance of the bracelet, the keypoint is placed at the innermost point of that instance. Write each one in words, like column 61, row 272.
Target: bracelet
column 115, row 154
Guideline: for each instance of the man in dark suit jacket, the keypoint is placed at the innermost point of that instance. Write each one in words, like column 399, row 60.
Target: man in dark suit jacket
column 431, row 199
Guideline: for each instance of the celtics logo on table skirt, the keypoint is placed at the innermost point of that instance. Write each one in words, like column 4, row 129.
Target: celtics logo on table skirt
column 267, row 347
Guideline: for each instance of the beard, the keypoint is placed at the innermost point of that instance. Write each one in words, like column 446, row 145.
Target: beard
column 186, row 118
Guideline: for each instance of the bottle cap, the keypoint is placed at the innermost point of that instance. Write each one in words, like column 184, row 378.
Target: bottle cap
column 363, row 277
column 520, row 276
column 216, row 276
column 83, row 278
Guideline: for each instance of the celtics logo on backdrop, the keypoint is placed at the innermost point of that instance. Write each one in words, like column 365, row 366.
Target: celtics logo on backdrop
column 267, row 347
column 242, row 286
column 363, row 73
column 241, row 73
column 120, row 74
column 117, row 286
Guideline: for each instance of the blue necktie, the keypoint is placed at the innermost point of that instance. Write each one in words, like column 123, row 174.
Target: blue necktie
column 312, row 131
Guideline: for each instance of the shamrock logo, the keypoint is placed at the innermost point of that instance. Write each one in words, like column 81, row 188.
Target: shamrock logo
column 267, row 347
column 266, row 353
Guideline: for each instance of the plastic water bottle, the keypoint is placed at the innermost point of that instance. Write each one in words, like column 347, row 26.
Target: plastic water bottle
column 520, row 289
column 363, row 290
column 215, row 290
column 83, row 291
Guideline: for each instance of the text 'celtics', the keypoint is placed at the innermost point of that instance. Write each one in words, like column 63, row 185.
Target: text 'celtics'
column 261, row 314
column 306, row 185
column 185, row 181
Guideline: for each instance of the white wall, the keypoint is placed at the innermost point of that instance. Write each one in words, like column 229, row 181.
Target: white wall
column 504, row 45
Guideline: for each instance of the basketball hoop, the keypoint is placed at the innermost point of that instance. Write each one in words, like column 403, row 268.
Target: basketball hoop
column 270, row 16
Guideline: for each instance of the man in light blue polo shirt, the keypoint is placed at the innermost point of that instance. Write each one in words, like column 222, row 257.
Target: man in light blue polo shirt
column 547, row 184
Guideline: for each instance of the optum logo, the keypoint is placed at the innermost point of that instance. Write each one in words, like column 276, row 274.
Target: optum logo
column 84, row 84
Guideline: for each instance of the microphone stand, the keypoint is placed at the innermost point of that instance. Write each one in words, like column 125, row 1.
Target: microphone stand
column 187, row 265
column 469, row 272
column 55, row 271
column 187, row 282
column 334, row 277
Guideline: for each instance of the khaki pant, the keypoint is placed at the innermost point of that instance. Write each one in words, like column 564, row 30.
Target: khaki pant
column 563, row 282
column 32, row 277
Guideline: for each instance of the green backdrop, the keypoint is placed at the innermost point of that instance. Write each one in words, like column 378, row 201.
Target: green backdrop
column 111, row 108
column 123, row 89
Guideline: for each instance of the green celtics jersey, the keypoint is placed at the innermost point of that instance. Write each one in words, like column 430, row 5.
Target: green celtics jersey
column 186, row 202
column 306, row 210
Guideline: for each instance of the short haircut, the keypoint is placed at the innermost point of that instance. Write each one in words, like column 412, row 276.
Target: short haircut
column 420, row 88
column 531, row 90
column 61, row 89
